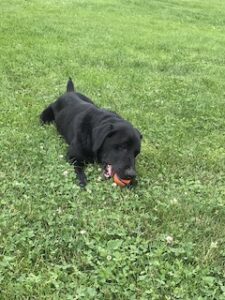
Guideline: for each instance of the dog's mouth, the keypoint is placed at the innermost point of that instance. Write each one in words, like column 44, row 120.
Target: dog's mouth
column 108, row 171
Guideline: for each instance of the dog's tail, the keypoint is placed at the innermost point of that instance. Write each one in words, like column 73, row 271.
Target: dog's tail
column 47, row 116
column 70, row 86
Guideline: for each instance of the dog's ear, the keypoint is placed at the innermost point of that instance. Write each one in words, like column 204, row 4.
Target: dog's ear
column 99, row 134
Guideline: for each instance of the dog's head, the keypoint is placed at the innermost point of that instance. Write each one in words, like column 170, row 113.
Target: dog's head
column 117, row 145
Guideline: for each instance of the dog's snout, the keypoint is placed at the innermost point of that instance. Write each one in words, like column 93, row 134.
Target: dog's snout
column 130, row 173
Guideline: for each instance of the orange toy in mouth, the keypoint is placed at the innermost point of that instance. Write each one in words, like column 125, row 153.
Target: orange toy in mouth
column 108, row 173
column 121, row 182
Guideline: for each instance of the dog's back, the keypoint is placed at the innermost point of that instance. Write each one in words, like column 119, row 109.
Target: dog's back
column 70, row 98
column 67, row 109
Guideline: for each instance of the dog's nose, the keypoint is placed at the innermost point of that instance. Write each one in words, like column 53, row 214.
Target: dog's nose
column 130, row 174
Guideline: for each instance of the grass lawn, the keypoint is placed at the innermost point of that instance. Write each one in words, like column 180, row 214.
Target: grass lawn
column 158, row 63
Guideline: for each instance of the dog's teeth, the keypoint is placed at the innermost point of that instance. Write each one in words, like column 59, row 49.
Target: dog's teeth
column 108, row 173
column 109, row 170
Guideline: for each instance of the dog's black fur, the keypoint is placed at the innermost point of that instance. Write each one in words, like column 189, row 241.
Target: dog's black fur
column 93, row 134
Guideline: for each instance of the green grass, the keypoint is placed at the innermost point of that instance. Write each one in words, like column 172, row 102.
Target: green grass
column 160, row 64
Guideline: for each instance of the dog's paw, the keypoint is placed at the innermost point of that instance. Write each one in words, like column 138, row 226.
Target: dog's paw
column 82, row 184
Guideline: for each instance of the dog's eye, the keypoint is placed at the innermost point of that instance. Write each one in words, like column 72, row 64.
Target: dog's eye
column 121, row 147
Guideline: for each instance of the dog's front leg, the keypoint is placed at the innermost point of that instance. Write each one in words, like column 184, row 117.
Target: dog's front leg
column 78, row 166
column 81, row 177
column 79, row 171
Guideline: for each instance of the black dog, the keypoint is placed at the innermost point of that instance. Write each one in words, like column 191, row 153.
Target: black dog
column 94, row 135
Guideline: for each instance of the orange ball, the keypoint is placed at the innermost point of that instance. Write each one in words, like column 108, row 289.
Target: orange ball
column 121, row 182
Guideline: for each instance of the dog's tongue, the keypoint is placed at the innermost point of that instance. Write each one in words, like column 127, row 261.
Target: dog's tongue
column 108, row 172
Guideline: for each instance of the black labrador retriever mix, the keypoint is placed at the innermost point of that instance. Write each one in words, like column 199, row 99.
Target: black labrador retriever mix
column 94, row 135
